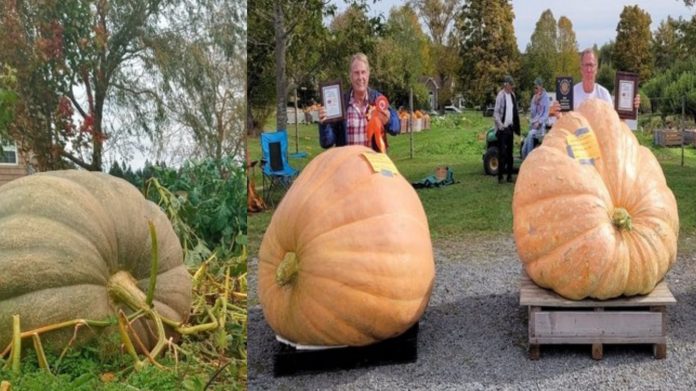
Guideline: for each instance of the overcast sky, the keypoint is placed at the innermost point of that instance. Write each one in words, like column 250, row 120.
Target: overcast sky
column 594, row 21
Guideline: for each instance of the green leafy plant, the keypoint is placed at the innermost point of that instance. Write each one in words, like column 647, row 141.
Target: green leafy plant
column 205, row 203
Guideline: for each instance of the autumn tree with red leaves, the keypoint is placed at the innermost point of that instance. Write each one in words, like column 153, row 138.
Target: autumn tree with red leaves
column 69, row 57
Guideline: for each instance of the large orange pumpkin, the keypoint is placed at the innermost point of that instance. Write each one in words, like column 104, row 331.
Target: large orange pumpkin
column 593, row 216
column 347, row 257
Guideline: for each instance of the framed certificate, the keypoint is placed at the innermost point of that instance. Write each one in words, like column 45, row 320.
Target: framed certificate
column 564, row 92
column 332, row 100
column 625, row 90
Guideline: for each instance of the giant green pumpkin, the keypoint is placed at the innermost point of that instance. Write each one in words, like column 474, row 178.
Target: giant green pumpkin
column 64, row 235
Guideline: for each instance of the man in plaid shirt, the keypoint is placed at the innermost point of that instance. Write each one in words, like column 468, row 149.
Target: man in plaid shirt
column 352, row 130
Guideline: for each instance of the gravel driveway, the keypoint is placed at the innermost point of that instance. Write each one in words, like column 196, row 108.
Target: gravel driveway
column 473, row 336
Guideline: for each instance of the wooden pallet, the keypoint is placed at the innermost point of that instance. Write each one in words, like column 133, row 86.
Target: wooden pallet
column 624, row 320
column 402, row 349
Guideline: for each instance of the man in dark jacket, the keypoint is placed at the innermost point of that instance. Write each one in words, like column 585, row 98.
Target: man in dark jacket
column 507, row 122
column 353, row 129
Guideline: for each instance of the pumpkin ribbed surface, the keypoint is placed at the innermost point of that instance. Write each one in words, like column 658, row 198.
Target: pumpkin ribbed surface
column 64, row 234
column 347, row 257
column 594, row 221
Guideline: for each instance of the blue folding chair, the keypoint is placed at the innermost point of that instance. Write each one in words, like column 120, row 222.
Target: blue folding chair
column 274, row 163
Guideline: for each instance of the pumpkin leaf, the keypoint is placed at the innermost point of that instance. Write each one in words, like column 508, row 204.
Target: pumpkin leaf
column 196, row 255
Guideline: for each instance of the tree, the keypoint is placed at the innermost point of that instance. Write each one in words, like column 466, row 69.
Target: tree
column 606, row 72
column 26, row 48
column 116, row 170
column 306, row 55
column 277, row 22
column 682, row 92
column 8, row 99
column 400, row 57
column 286, row 17
column 488, row 47
column 70, row 58
column 350, row 32
column 687, row 37
column 673, row 89
column 203, row 61
column 606, row 75
column 260, row 70
column 665, row 44
column 606, row 54
column 568, row 60
column 633, row 48
column 541, row 55
column 438, row 16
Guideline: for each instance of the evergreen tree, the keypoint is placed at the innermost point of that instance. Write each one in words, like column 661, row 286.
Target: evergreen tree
column 541, row 55
column 687, row 37
column 568, row 60
column 116, row 170
column 606, row 54
column 606, row 72
column 665, row 44
column 131, row 176
column 632, row 51
column 488, row 47
column 606, row 75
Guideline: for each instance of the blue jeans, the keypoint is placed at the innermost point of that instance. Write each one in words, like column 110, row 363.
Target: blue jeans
column 528, row 144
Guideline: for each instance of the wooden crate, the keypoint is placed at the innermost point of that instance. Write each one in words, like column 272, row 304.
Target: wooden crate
column 417, row 124
column 668, row 138
column 404, row 125
column 689, row 136
column 624, row 320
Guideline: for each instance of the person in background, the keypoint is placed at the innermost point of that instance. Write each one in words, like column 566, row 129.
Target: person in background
column 588, row 88
column 539, row 113
column 507, row 122
column 360, row 104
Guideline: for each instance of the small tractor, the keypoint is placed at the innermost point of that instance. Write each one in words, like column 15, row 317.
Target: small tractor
column 491, row 156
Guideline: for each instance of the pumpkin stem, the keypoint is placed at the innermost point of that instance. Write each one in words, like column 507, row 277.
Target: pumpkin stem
column 16, row 345
column 287, row 270
column 122, row 287
column 621, row 219
column 154, row 259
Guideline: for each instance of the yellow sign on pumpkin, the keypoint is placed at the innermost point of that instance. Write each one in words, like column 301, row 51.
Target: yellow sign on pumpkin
column 381, row 163
column 583, row 145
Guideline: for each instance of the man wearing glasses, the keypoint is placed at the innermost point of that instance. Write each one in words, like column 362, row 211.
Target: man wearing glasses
column 588, row 88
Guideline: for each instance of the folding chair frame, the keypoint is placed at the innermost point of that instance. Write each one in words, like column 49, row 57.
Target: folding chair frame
column 277, row 172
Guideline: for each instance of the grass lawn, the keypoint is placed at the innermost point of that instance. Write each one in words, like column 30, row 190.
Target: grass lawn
column 476, row 204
